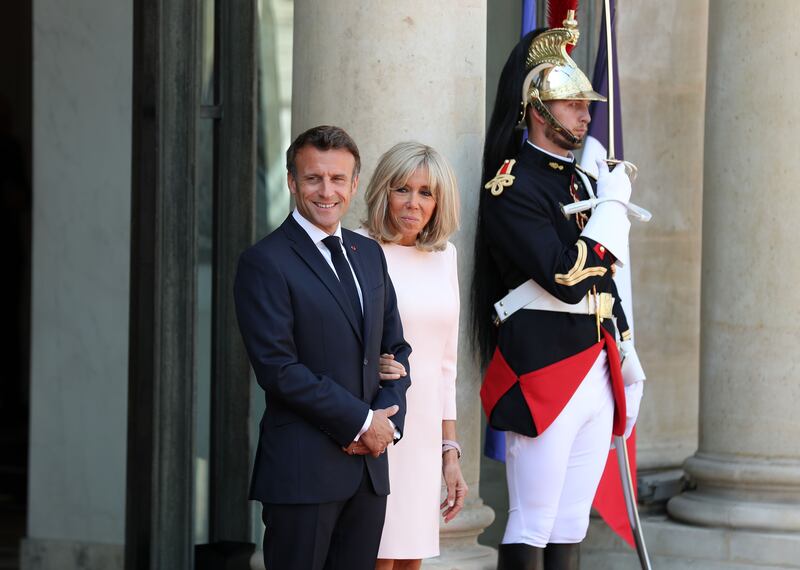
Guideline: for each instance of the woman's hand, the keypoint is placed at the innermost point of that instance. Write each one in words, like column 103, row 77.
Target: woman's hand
column 456, row 486
column 390, row 369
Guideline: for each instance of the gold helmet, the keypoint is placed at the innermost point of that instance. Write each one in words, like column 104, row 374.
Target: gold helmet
column 553, row 75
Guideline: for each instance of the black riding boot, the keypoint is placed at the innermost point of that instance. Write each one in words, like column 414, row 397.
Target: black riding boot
column 519, row 557
column 562, row 557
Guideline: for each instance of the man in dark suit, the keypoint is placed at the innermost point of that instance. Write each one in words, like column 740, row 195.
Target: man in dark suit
column 316, row 308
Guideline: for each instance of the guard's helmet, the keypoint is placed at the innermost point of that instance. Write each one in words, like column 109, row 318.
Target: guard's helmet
column 553, row 75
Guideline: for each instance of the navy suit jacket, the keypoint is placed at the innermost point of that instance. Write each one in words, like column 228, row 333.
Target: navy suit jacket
column 317, row 366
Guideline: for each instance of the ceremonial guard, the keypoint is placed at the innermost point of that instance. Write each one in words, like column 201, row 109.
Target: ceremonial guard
column 546, row 311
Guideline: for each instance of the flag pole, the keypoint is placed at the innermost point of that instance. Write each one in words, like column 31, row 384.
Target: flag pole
column 630, row 168
column 636, row 211
column 610, row 72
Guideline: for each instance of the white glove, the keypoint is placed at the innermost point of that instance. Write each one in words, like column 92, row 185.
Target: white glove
column 633, row 397
column 614, row 185
column 609, row 224
column 632, row 371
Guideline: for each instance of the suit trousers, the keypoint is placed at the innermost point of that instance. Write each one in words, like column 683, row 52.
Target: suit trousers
column 552, row 478
column 340, row 535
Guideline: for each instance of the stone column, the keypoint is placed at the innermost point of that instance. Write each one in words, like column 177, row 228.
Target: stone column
column 661, row 50
column 393, row 71
column 747, row 468
column 662, row 67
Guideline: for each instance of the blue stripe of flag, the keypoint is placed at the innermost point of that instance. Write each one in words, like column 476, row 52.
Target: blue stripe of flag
column 598, row 128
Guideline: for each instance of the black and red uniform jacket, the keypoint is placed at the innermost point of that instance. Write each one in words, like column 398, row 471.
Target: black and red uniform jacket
column 542, row 356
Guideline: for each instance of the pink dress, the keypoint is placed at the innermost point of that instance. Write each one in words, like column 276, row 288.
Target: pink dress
column 426, row 284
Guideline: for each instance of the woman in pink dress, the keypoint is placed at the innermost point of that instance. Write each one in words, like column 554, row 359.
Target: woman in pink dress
column 412, row 202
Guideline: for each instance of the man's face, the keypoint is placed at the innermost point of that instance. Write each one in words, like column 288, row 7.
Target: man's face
column 574, row 115
column 323, row 186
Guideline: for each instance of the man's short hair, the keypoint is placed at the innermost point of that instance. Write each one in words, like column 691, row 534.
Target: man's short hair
column 323, row 137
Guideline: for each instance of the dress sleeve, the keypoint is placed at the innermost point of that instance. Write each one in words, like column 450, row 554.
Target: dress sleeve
column 450, row 357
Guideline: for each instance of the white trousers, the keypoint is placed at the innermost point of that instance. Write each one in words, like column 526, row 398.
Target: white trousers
column 552, row 478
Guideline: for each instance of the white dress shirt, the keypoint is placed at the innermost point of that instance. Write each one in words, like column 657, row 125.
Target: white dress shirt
column 317, row 235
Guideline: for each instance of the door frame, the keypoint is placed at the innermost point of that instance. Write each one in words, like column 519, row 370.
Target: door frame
column 162, row 376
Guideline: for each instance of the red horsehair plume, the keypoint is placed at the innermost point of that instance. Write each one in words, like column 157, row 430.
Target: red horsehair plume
column 557, row 12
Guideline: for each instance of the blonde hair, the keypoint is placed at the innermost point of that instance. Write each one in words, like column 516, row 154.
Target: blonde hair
column 394, row 169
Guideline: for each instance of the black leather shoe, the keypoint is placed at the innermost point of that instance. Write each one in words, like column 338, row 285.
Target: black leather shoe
column 519, row 557
column 562, row 557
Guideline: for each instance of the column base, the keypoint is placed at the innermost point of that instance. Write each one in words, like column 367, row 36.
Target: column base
column 708, row 510
column 257, row 560
column 45, row 554
column 742, row 494
column 475, row 557
column 676, row 546
column 459, row 541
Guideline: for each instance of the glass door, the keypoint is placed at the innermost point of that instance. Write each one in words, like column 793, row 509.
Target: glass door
column 204, row 220
column 193, row 204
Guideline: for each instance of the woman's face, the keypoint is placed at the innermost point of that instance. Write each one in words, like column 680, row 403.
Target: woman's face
column 411, row 206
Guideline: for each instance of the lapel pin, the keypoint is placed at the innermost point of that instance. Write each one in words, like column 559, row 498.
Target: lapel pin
column 353, row 247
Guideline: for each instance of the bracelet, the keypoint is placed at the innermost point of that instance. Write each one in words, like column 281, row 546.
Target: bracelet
column 448, row 444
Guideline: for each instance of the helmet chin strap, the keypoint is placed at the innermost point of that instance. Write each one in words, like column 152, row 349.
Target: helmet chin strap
column 542, row 109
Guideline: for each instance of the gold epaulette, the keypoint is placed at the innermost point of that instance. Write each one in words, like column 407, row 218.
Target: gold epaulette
column 586, row 172
column 503, row 179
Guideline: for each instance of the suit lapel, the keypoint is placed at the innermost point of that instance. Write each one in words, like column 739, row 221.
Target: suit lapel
column 354, row 256
column 312, row 257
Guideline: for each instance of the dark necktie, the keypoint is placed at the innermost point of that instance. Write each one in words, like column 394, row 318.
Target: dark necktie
column 344, row 272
